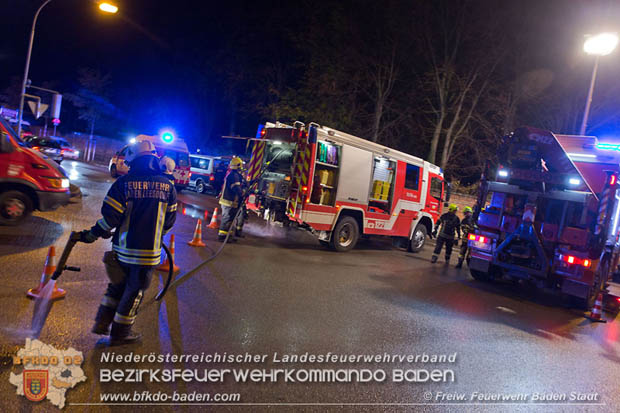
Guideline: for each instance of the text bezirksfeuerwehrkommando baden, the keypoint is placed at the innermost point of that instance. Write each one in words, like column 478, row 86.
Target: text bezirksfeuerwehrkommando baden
column 112, row 357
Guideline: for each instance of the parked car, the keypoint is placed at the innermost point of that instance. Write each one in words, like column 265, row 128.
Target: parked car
column 177, row 150
column 28, row 179
column 47, row 146
column 208, row 172
column 68, row 151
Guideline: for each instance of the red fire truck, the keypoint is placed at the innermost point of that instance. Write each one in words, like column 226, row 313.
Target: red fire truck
column 551, row 215
column 341, row 187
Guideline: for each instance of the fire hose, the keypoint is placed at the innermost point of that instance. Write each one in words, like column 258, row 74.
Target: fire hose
column 74, row 238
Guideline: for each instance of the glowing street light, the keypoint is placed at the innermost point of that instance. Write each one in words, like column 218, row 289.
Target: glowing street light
column 106, row 7
column 599, row 45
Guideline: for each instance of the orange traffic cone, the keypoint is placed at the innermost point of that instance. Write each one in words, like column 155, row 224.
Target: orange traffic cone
column 213, row 224
column 197, row 240
column 165, row 266
column 596, row 310
column 48, row 270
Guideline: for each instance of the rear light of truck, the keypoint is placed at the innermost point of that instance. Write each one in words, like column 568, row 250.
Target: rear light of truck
column 211, row 178
column 479, row 238
column 571, row 259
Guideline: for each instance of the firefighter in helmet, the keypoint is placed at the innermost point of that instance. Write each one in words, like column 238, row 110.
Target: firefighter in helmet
column 230, row 199
column 450, row 224
column 467, row 227
column 167, row 166
column 139, row 208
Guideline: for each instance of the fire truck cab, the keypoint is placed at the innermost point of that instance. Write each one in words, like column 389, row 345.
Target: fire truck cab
column 550, row 215
column 341, row 187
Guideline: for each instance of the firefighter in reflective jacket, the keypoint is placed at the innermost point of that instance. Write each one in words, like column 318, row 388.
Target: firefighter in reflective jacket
column 232, row 195
column 140, row 208
column 450, row 224
column 467, row 227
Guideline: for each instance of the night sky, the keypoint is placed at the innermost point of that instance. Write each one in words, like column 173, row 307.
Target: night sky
column 164, row 57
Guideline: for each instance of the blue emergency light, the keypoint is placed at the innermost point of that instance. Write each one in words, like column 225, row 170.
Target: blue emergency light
column 167, row 137
column 608, row 146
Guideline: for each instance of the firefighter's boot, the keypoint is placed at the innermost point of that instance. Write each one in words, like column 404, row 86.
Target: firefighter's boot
column 239, row 233
column 122, row 334
column 103, row 319
column 460, row 263
column 433, row 259
column 447, row 259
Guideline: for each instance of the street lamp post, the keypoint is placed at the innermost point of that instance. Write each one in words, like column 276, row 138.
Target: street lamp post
column 599, row 45
column 106, row 7
column 27, row 68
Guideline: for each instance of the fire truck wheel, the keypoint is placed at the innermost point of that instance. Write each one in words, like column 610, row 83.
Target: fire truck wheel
column 15, row 206
column 345, row 235
column 418, row 239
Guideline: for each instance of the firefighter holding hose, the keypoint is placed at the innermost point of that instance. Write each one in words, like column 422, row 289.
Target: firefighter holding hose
column 139, row 208
column 450, row 224
column 232, row 195
column 467, row 227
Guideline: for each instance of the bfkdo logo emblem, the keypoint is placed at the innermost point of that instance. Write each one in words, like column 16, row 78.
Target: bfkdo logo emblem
column 35, row 384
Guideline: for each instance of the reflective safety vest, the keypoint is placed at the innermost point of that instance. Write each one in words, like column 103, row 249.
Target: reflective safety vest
column 231, row 190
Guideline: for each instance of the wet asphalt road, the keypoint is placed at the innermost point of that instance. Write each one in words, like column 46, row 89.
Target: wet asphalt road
column 279, row 291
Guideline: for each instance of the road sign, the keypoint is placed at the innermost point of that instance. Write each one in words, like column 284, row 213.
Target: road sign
column 8, row 113
column 37, row 108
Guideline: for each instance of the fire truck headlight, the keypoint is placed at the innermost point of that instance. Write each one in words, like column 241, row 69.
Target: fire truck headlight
column 574, row 181
column 503, row 173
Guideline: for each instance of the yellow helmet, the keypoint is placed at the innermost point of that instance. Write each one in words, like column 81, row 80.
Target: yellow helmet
column 453, row 208
column 235, row 163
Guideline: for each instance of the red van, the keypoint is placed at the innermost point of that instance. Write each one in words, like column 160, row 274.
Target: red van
column 28, row 179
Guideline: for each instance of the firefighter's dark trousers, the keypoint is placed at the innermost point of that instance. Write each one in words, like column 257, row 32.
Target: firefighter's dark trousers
column 228, row 214
column 463, row 249
column 121, row 301
column 440, row 243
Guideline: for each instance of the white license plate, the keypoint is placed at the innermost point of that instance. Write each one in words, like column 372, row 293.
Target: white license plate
column 480, row 245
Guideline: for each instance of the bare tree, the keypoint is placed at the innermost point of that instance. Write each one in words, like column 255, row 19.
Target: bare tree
column 461, row 69
column 91, row 96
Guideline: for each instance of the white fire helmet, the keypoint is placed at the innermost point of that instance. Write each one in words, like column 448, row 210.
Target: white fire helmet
column 140, row 149
column 167, row 165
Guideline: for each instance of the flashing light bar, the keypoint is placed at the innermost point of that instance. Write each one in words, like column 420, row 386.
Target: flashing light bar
column 608, row 146
column 581, row 155
column 571, row 259
column 479, row 238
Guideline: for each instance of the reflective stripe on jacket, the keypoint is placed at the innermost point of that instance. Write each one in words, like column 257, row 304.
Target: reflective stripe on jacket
column 140, row 207
column 231, row 190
